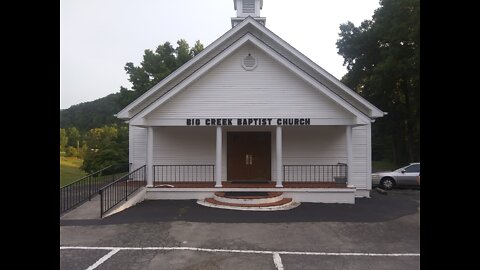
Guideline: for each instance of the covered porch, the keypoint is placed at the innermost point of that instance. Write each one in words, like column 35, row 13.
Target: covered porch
column 308, row 163
column 186, row 156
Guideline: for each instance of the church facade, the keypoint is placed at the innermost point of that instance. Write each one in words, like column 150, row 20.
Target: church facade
column 250, row 112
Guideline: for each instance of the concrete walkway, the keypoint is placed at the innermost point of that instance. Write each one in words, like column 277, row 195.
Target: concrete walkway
column 87, row 210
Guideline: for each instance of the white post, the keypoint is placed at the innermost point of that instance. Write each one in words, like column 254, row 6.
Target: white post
column 369, row 156
column 218, row 159
column 149, row 157
column 279, row 156
column 349, row 155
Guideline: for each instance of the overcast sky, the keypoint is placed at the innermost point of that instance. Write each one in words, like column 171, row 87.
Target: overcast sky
column 97, row 37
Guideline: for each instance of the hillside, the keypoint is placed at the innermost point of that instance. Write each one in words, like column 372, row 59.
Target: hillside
column 92, row 114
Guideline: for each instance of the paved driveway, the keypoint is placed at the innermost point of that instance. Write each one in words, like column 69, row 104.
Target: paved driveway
column 382, row 232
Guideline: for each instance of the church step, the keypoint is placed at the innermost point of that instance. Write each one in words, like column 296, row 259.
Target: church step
column 283, row 204
column 248, row 197
column 277, row 203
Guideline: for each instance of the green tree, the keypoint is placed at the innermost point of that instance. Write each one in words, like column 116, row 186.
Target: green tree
column 197, row 48
column 63, row 140
column 155, row 66
column 73, row 137
column 103, row 146
column 71, row 151
column 183, row 52
column 159, row 64
column 382, row 56
column 107, row 145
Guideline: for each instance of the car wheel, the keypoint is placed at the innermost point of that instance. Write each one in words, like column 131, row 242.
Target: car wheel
column 387, row 183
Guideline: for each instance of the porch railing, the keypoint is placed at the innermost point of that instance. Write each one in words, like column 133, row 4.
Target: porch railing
column 183, row 173
column 85, row 188
column 315, row 173
column 115, row 192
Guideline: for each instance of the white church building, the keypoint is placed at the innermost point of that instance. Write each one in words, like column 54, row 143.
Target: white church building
column 250, row 113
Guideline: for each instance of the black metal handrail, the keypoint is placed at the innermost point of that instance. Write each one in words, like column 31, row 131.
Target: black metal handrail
column 113, row 193
column 83, row 189
column 183, row 173
column 315, row 173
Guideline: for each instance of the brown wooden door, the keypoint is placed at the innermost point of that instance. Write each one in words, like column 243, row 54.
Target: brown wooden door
column 248, row 156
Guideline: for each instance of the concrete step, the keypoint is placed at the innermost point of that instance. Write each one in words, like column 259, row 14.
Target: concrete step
column 281, row 204
column 254, row 198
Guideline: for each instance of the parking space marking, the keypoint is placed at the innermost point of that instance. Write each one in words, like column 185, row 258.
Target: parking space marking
column 251, row 251
column 103, row 259
column 277, row 260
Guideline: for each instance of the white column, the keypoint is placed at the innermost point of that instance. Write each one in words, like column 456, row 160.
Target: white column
column 279, row 156
column 218, row 159
column 369, row 156
column 349, row 155
column 149, row 157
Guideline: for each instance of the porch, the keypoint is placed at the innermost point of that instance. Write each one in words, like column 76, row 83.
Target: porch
column 304, row 154
column 247, row 186
column 306, row 163
column 302, row 183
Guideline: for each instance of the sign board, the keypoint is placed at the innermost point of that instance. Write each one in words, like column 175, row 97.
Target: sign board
column 248, row 122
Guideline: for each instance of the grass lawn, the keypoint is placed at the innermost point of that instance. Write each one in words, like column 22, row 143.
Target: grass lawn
column 70, row 170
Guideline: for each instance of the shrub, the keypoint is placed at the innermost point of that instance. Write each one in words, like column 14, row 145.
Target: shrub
column 72, row 152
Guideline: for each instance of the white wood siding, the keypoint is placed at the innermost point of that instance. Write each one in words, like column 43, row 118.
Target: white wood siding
column 360, row 168
column 270, row 90
column 137, row 146
column 184, row 146
column 326, row 145
column 314, row 145
column 189, row 68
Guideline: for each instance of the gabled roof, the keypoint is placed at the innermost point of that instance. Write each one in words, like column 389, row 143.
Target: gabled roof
column 258, row 32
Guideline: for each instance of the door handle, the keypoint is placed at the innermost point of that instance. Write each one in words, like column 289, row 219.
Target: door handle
column 248, row 159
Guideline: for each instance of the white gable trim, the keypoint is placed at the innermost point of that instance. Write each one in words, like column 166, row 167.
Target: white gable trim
column 152, row 106
column 125, row 112
column 360, row 115
column 139, row 118
column 375, row 111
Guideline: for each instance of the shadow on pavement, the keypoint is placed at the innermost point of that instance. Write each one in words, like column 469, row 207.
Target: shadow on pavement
column 378, row 208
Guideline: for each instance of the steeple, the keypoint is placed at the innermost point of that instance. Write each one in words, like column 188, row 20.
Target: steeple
column 247, row 8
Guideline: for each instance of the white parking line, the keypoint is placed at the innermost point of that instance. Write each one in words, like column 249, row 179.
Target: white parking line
column 103, row 259
column 277, row 260
column 251, row 251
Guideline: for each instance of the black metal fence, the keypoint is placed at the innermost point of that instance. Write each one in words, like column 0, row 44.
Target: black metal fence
column 85, row 188
column 183, row 173
column 115, row 192
column 315, row 173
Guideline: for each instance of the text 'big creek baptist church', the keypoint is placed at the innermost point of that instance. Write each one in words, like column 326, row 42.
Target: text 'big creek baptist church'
column 251, row 113
column 249, row 122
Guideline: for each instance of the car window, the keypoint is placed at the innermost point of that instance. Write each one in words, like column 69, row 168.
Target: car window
column 413, row 168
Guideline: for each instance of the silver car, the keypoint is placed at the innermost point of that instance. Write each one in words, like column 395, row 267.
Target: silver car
column 405, row 176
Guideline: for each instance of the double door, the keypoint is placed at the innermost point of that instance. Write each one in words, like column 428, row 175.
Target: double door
column 248, row 156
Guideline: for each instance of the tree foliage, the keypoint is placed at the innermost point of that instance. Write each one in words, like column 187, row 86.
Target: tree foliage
column 88, row 115
column 155, row 66
column 73, row 137
column 382, row 56
column 105, row 137
column 107, row 145
column 159, row 64
column 63, row 139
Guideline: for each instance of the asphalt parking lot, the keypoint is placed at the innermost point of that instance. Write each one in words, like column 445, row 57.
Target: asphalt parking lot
column 382, row 232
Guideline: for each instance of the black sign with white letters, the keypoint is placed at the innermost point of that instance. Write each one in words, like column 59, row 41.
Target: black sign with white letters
column 248, row 122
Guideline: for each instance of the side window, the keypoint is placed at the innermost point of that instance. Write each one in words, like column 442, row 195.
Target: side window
column 413, row 168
